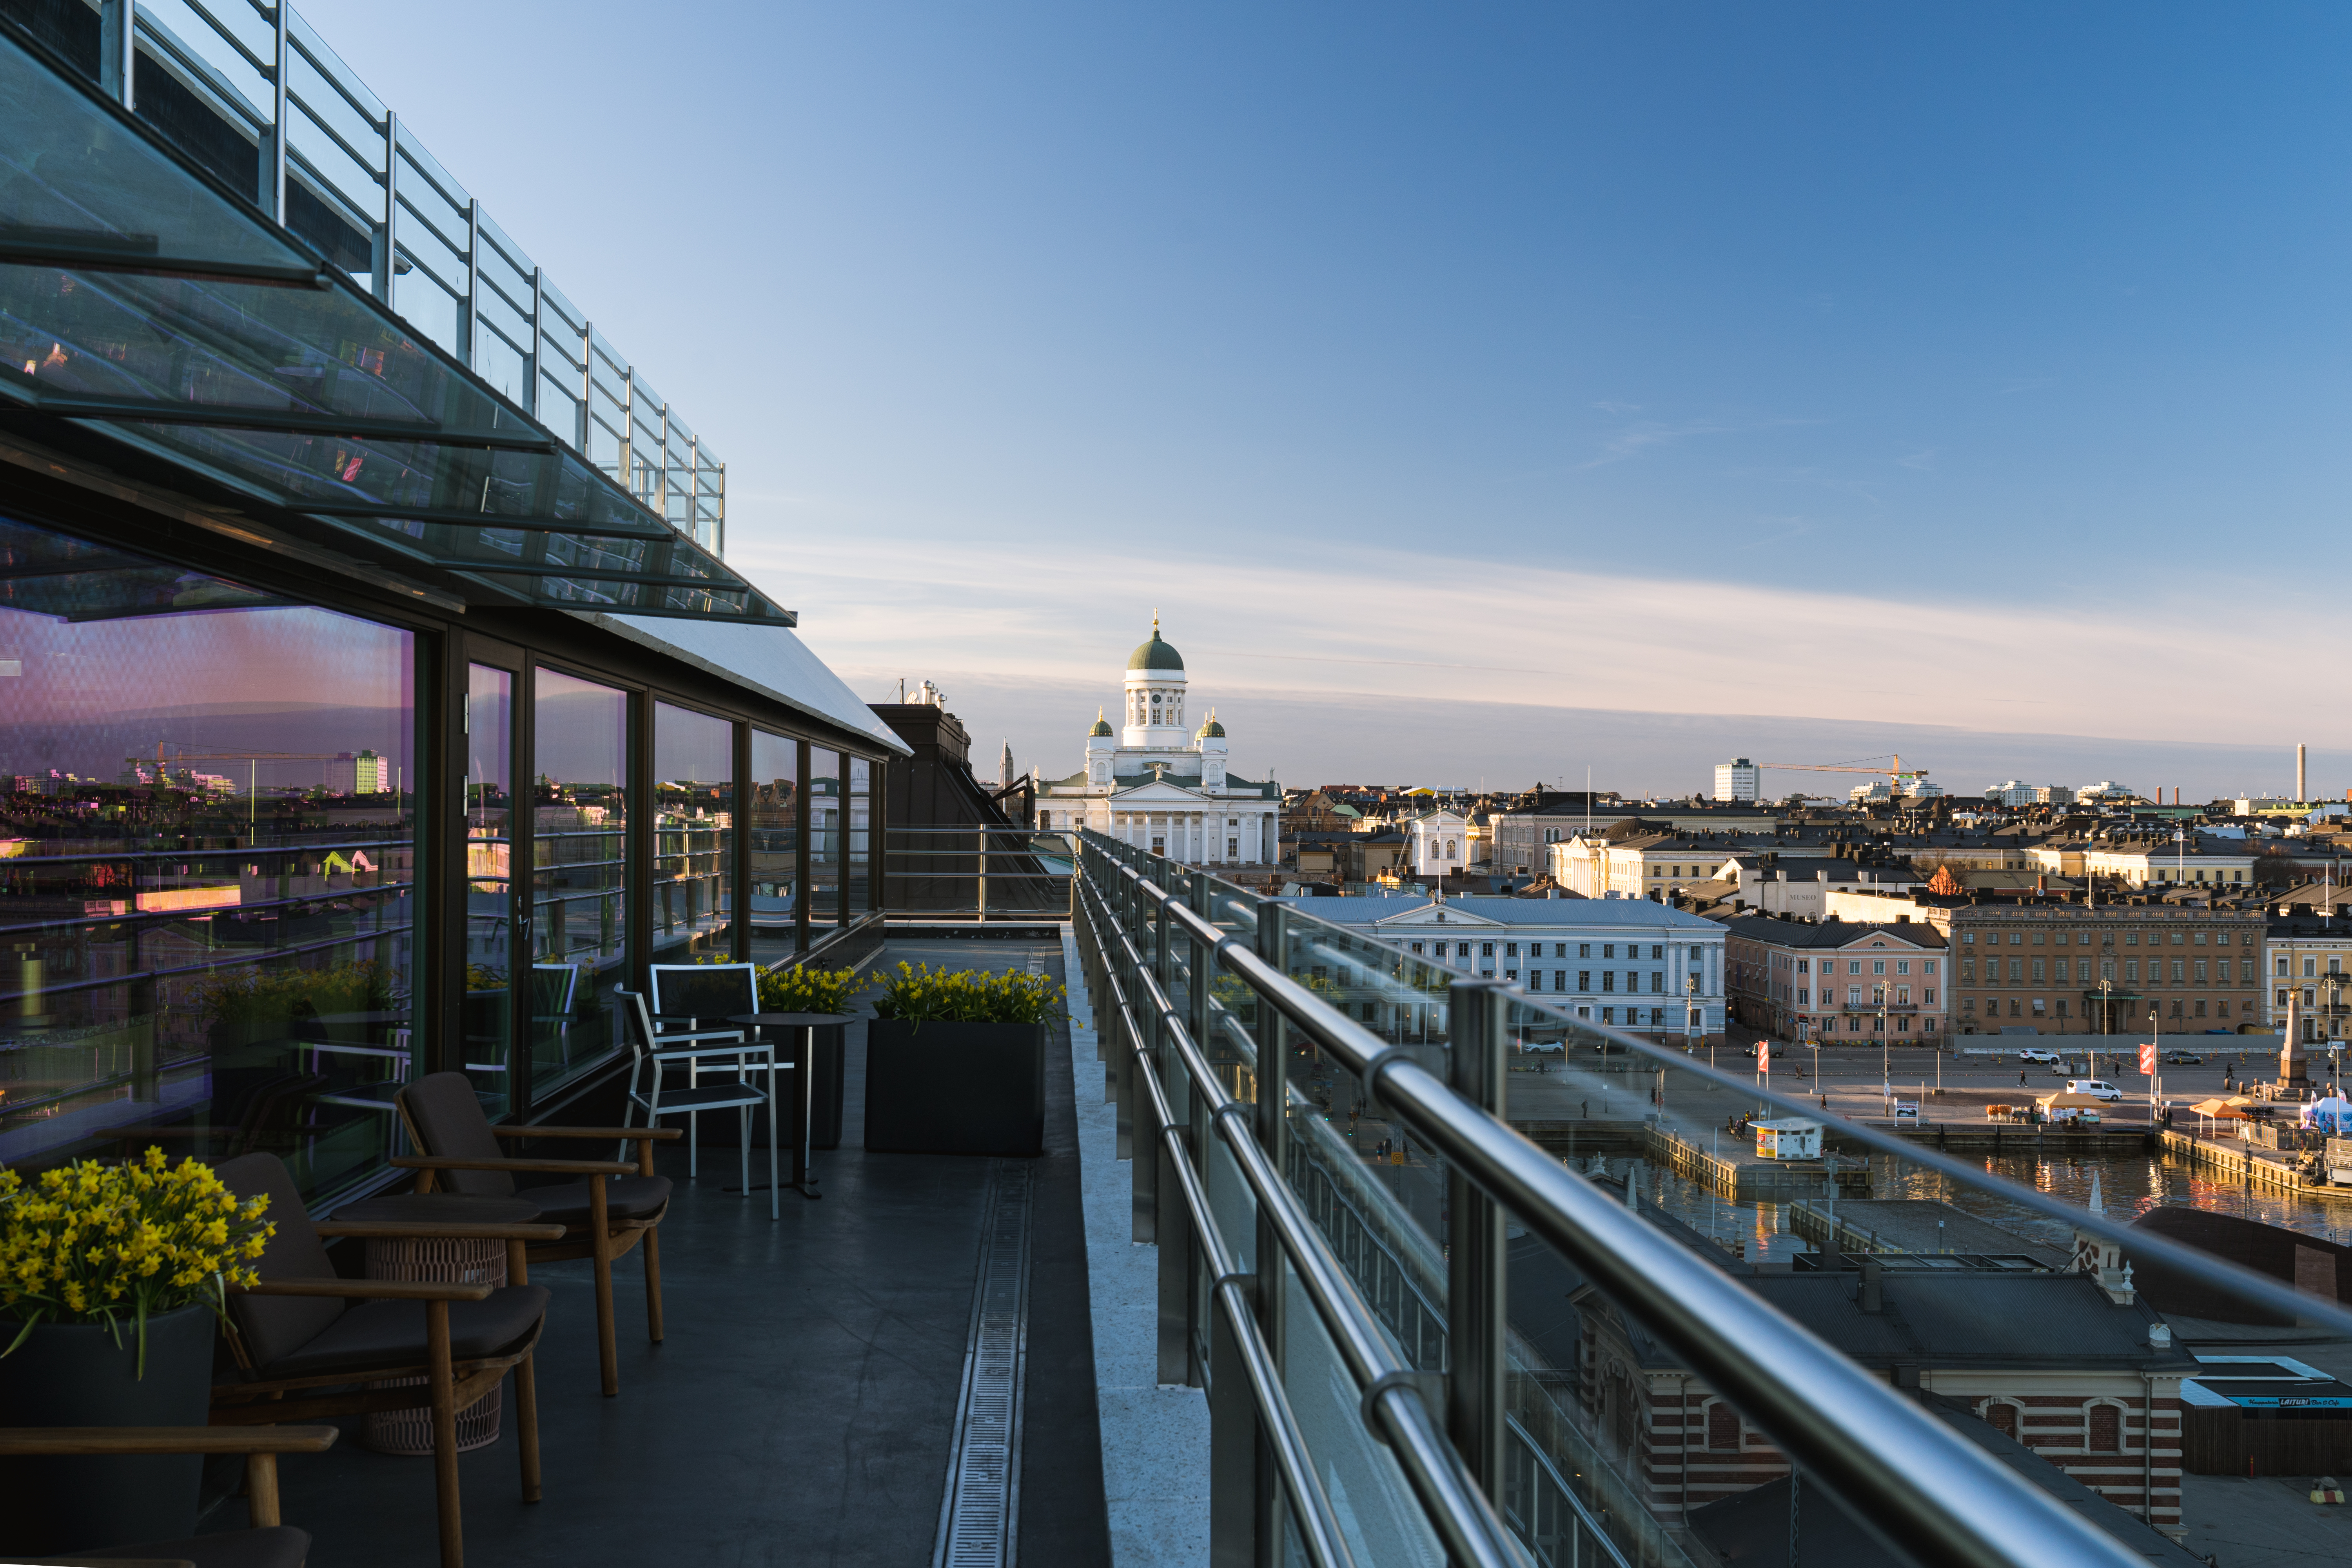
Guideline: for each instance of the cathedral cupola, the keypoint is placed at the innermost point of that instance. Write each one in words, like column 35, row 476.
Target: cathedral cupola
column 1155, row 695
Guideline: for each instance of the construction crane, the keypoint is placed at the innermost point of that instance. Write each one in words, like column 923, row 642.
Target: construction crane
column 1902, row 775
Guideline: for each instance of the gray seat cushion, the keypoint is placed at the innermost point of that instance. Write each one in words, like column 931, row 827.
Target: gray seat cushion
column 391, row 1334
column 282, row 1547
column 626, row 1197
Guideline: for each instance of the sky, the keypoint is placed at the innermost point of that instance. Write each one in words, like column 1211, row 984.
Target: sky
column 1485, row 392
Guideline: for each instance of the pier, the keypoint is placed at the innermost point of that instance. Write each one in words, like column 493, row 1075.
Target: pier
column 2258, row 1167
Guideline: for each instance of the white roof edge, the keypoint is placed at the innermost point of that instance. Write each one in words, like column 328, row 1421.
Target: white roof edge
column 769, row 660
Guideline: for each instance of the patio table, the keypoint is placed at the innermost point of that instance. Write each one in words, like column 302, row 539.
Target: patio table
column 802, row 1178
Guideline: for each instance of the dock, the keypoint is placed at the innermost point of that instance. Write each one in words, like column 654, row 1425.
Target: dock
column 2228, row 1158
column 1575, row 1139
column 1740, row 1175
column 1911, row 1226
column 2023, row 1138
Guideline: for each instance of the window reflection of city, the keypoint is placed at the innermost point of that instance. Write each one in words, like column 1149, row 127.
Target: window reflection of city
column 205, row 905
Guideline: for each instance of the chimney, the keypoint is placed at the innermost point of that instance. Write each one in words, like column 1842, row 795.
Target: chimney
column 1873, row 1285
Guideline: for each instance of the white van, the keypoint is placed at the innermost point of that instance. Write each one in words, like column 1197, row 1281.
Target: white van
column 2096, row 1088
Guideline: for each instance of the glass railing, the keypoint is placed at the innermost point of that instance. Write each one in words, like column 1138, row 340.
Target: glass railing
column 219, row 78
column 1701, row 1303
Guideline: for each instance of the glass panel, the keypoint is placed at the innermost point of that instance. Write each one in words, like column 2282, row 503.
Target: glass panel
column 824, row 838
column 775, row 853
column 857, row 887
column 178, row 967
column 579, row 876
column 77, row 184
column 1374, row 1504
column 694, row 836
column 490, row 892
column 128, row 290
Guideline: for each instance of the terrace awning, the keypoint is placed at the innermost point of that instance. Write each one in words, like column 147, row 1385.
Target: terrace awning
column 139, row 298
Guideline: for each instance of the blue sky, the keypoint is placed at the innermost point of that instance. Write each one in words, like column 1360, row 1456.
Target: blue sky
column 1944, row 369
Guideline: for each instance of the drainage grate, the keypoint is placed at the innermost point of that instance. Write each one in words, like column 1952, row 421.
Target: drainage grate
column 980, row 1517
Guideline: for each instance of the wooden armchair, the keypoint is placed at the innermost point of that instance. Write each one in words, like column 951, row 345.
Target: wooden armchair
column 305, row 1351
column 607, row 1208
column 267, row 1544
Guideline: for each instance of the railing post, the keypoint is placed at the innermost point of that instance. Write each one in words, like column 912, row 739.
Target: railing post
column 1170, row 1231
column 1273, row 1127
column 1475, row 1274
column 983, row 876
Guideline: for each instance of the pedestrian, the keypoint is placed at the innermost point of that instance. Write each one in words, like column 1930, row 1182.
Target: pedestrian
column 2021, row 1080
column 1587, row 1109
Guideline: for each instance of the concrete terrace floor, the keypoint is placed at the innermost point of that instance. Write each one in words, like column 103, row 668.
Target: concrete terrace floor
column 801, row 1410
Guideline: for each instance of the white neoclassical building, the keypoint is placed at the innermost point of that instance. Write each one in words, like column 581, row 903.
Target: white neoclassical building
column 1160, row 787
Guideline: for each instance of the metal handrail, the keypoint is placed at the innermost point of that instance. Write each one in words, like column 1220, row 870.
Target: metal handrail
column 1913, row 1478
column 1472, row 1532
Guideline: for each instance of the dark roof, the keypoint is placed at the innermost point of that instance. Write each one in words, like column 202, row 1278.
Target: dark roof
column 1958, row 1319
column 1831, row 933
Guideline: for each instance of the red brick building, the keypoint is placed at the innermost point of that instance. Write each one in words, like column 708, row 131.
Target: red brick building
column 2076, row 1366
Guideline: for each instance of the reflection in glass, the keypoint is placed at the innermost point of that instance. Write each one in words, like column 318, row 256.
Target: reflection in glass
column 824, row 805
column 579, row 876
column 856, row 889
column 489, row 909
column 206, row 867
column 694, row 836
column 775, row 853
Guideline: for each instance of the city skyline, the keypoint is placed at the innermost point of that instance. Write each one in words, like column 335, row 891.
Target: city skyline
column 1940, row 344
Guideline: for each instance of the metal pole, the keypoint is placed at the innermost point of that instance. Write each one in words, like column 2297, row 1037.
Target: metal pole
column 1474, row 1277
column 118, row 58
column 473, row 282
column 1167, row 1220
column 983, row 876
column 1271, row 1123
column 273, row 171
column 538, row 340
column 380, row 284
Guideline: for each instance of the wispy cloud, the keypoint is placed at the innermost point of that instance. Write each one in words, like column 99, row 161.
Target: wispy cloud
column 1645, row 438
column 1611, row 406
column 1924, row 460
column 2027, row 383
column 1449, row 625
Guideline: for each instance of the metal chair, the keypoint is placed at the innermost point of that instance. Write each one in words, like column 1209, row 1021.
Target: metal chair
column 694, row 1002
column 692, row 1049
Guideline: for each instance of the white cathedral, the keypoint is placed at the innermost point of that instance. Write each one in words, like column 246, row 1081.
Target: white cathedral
column 1159, row 789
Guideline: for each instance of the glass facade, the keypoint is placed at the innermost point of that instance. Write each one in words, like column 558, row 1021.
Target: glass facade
column 488, row 1010
column 859, row 812
column 774, row 827
column 207, row 864
column 824, row 838
column 579, row 883
column 694, row 836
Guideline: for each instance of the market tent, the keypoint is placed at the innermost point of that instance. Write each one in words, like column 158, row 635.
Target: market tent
column 2230, row 1105
column 2073, row 1102
column 2332, row 1115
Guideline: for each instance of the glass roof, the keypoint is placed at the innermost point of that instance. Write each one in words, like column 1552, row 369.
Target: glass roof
column 137, row 297
column 49, row 574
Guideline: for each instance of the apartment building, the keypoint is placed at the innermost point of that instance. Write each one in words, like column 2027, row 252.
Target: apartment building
column 2307, row 958
column 2151, row 865
column 2066, row 968
column 1644, row 865
column 1626, row 964
column 1837, row 982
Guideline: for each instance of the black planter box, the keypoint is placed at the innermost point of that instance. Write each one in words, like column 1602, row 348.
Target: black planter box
column 955, row 1088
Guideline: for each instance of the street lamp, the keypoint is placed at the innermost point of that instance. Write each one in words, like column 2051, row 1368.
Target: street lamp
column 1690, row 1014
column 1885, row 1063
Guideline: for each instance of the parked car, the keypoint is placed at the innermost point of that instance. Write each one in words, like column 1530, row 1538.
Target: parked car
column 2035, row 1054
column 1777, row 1050
column 2184, row 1059
column 2096, row 1088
